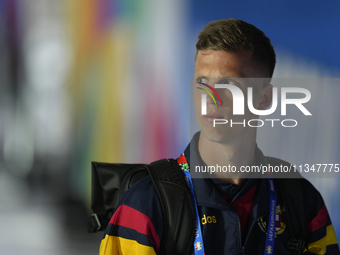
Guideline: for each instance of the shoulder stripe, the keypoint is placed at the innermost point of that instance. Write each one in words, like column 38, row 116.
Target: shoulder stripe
column 128, row 233
column 320, row 246
column 129, row 217
column 119, row 246
column 319, row 221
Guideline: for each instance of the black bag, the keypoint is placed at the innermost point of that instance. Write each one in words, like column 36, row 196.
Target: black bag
column 109, row 181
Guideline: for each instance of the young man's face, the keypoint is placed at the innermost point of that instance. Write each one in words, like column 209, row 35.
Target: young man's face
column 217, row 67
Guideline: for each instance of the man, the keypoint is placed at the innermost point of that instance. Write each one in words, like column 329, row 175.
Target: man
column 233, row 209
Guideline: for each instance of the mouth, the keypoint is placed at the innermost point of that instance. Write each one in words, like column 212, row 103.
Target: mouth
column 211, row 117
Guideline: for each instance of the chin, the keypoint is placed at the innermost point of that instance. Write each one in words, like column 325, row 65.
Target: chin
column 221, row 134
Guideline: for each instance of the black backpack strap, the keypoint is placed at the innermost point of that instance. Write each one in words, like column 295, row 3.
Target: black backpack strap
column 177, row 204
column 292, row 197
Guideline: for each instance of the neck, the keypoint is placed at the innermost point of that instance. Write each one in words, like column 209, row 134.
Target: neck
column 234, row 154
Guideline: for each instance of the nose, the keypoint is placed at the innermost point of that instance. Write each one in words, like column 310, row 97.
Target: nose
column 212, row 99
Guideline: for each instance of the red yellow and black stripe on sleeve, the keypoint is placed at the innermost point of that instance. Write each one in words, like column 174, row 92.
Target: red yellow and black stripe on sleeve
column 130, row 232
column 322, row 238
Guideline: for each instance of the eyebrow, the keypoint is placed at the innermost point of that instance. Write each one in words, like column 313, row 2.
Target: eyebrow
column 219, row 79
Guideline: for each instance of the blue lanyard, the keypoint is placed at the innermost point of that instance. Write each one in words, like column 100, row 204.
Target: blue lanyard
column 198, row 242
column 270, row 239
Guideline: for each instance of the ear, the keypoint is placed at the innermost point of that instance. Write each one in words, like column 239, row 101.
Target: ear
column 266, row 97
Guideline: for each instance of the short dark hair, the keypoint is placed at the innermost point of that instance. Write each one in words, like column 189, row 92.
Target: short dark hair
column 232, row 35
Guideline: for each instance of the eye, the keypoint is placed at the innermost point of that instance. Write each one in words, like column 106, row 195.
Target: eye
column 227, row 81
column 201, row 80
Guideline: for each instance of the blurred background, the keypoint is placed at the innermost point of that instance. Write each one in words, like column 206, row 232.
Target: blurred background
column 109, row 80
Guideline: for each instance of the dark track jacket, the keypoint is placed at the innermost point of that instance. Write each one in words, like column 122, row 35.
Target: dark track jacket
column 233, row 219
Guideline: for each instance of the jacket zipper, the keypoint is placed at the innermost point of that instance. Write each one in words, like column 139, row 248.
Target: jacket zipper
column 251, row 227
column 240, row 236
